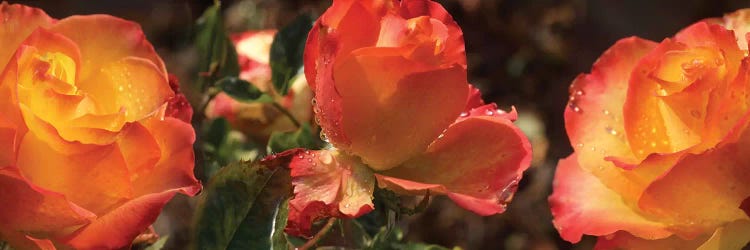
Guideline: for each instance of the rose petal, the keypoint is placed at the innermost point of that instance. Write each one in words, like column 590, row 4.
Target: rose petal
column 454, row 45
column 175, row 166
column 594, row 116
column 477, row 162
column 623, row 240
column 96, row 180
column 139, row 149
column 327, row 183
column 582, row 204
column 20, row 240
column 18, row 22
column 739, row 22
column 474, row 100
column 133, row 85
column 178, row 106
column 9, row 140
column 731, row 236
column 386, row 111
column 118, row 228
column 105, row 39
column 719, row 176
column 28, row 208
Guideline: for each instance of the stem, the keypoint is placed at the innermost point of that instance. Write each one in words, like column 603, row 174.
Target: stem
column 286, row 112
column 314, row 240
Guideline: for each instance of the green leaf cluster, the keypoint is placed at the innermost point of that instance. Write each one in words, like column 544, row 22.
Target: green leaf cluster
column 244, row 206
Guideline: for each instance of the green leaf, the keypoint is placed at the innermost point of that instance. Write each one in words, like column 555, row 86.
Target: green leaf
column 301, row 138
column 217, row 57
column 242, row 90
column 244, row 207
column 287, row 50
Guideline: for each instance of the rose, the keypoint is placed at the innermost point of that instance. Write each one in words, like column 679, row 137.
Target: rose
column 87, row 155
column 392, row 97
column 660, row 138
column 258, row 120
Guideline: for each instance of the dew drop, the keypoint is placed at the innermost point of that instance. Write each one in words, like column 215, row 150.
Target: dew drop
column 575, row 107
column 580, row 145
column 347, row 205
column 314, row 102
column 301, row 157
column 464, row 114
column 326, row 158
column 307, row 152
column 489, row 112
column 611, row 131
column 440, row 136
column 580, row 92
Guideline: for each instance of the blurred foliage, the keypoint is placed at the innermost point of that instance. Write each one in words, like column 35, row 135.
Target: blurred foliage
column 286, row 52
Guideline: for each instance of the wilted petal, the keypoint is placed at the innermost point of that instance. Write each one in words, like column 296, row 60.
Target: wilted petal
column 327, row 184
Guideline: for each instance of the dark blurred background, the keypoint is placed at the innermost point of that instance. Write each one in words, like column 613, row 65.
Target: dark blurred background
column 520, row 52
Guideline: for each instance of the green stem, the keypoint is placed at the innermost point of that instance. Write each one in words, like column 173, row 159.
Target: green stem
column 286, row 112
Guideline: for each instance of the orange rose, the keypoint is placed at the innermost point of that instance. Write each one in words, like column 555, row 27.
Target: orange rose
column 260, row 119
column 87, row 155
column 661, row 143
column 392, row 96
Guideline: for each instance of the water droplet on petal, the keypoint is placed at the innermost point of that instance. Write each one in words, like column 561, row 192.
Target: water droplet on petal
column 326, row 158
column 464, row 114
column 575, row 107
column 580, row 145
column 489, row 112
column 610, row 130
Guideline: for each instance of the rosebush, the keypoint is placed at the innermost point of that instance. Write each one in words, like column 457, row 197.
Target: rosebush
column 93, row 141
column 660, row 138
column 392, row 98
column 259, row 119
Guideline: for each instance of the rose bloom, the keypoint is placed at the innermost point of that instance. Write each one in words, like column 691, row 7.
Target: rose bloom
column 90, row 149
column 662, row 149
column 392, row 97
column 259, row 120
